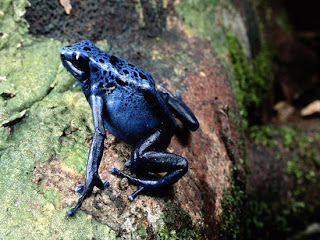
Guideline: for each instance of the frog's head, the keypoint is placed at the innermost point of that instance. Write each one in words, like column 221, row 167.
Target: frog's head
column 76, row 60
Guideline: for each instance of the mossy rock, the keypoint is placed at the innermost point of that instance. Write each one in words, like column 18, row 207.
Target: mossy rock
column 46, row 128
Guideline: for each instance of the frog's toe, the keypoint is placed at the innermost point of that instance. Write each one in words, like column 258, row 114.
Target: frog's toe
column 135, row 193
column 117, row 172
column 165, row 90
column 178, row 95
column 160, row 87
column 70, row 212
column 106, row 184
column 79, row 188
column 113, row 170
column 76, row 84
column 78, row 205
column 128, row 163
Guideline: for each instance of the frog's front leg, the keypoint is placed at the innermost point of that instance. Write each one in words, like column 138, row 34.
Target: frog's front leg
column 149, row 156
column 179, row 108
column 95, row 154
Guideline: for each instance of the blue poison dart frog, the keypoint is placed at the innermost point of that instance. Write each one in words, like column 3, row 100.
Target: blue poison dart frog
column 126, row 103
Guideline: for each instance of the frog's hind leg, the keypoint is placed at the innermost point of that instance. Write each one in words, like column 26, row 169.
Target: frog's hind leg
column 175, row 165
column 149, row 157
column 179, row 108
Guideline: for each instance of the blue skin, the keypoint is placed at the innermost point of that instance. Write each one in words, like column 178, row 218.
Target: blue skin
column 126, row 103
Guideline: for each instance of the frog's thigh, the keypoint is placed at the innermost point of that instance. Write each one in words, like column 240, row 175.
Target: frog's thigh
column 155, row 161
column 149, row 154
column 158, row 140
column 147, row 158
column 158, row 161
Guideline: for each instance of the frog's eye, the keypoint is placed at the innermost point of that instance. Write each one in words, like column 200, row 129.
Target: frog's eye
column 80, row 63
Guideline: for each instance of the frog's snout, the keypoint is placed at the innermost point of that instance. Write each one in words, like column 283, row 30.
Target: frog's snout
column 62, row 56
column 66, row 57
column 75, row 63
column 65, row 54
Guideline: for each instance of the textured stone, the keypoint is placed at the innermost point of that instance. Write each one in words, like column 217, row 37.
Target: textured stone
column 43, row 151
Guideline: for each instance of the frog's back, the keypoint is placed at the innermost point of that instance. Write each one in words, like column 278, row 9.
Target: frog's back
column 133, row 106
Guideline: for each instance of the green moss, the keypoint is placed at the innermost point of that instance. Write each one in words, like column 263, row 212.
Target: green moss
column 74, row 152
column 142, row 232
column 262, row 135
column 270, row 135
column 178, row 224
column 202, row 21
column 252, row 80
column 104, row 45
column 283, row 21
column 289, row 135
column 42, row 107
column 283, row 216
column 276, row 219
column 199, row 25
column 232, row 216
column 52, row 195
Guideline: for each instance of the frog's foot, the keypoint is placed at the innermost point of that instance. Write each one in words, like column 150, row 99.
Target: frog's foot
column 135, row 193
column 146, row 159
column 79, row 203
column 154, row 161
column 86, row 190
column 128, row 163
column 135, row 181
column 119, row 173
column 79, row 188
column 76, row 84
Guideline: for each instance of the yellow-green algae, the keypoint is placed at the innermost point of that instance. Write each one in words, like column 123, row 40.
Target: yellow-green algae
column 37, row 105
